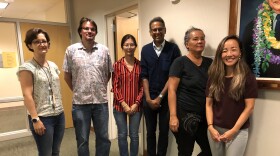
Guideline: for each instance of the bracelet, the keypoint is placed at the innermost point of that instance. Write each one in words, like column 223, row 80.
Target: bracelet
column 209, row 125
column 125, row 105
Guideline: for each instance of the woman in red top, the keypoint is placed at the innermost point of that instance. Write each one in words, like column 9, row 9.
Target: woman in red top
column 128, row 92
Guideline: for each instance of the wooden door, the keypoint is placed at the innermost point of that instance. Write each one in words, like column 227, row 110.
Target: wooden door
column 125, row 26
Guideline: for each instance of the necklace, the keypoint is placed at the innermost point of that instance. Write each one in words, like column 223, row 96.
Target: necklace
column 49, row 77
column 264, row 39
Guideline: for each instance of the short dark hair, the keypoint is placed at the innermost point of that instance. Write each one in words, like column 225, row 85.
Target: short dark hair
column 85, row 19
column 126, row 37
column 156, row 19
column 32, row 34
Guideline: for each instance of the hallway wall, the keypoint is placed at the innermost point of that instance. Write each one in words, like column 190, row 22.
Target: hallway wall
column 95, row 10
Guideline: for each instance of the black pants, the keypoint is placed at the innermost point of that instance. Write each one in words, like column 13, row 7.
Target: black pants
column 151, row 116
column 185, row 140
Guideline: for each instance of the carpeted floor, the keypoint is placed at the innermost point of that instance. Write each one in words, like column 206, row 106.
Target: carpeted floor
column 27, row 147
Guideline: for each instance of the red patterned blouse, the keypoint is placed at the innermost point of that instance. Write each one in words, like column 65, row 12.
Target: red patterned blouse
column 127, row 85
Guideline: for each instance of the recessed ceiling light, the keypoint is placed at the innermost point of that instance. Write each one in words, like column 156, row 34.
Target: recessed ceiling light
column 3, row 5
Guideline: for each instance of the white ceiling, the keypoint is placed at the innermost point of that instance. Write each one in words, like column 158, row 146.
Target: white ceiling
column 35, row 9
column 26, row 9
column 129, row 14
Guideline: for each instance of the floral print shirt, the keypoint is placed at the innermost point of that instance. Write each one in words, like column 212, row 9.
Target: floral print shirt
column 90, row 72
column 43, row 78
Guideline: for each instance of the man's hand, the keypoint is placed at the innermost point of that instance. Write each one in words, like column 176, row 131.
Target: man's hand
column 154, row 104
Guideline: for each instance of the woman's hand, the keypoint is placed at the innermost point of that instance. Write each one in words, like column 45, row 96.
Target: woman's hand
column 127, row 109
column 39, row 127
column 133, row 108
column 227, row 136
column 214, row 134
column 174, row 123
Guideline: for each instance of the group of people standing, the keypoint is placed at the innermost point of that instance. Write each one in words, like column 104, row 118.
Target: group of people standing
column 190, row 94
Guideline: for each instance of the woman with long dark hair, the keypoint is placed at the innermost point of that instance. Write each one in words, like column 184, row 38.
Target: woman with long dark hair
column 231, row 93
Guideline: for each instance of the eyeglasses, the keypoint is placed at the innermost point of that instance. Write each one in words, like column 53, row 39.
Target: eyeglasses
column 38, row 42
column 157, row 30
column 129, row 45
column 87, row 29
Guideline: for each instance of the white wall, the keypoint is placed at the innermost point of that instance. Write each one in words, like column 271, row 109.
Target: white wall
column 96, row 10
column 264, row 131
column 212, row 17
column 57, row 13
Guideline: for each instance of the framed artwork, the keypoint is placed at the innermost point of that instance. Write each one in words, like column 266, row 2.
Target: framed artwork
column 259, row 39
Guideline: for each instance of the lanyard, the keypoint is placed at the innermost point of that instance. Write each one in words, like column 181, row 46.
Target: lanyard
column 49, row 77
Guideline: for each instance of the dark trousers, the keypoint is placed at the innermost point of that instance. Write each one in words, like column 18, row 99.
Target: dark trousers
column 185, row 140
column 151, row 117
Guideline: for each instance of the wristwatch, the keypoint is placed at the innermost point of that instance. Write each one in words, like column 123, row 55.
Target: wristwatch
column 160, row 96
column 34, row 120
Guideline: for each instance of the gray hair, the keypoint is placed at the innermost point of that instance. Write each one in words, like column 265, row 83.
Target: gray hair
column 188, row 32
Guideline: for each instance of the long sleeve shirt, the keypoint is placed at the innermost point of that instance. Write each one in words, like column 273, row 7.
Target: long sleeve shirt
column 127, row 85
column 156, row 68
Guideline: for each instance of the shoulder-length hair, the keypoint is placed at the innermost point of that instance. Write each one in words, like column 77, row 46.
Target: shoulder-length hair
column 217, row 73
column 32, row 34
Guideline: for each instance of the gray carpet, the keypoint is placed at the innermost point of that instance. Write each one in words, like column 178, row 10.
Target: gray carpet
column 27, row 147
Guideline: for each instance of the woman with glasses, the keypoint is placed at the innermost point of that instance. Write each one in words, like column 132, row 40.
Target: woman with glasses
column 128, row 92
column 41, row 91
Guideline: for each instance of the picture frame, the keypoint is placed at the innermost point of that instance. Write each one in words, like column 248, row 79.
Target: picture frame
column 234, row 26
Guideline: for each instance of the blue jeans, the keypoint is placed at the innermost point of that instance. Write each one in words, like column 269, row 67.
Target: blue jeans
column 82, row 116
column 151, row 116
column 134, row 122
column 49, row 143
